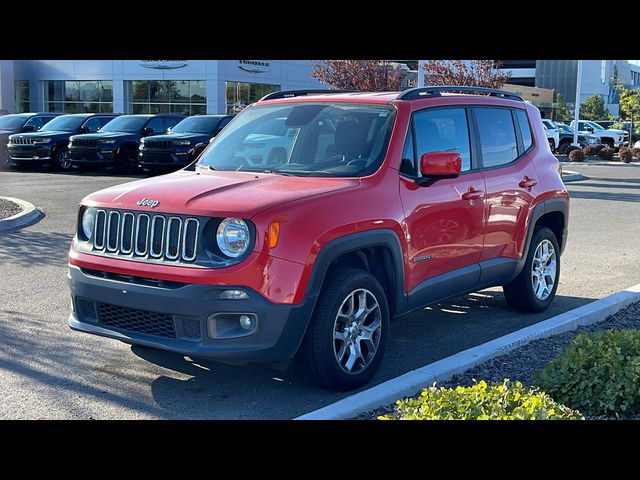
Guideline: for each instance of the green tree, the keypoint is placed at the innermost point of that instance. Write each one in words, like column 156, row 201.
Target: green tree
column 593, row 108
column 562, row 113
column 629, row 104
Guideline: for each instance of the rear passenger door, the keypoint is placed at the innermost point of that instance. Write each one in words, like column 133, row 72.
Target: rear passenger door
column 506, row 154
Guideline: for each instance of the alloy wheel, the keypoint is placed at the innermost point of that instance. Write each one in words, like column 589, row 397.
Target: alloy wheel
column 357, row 331
column 543, row 270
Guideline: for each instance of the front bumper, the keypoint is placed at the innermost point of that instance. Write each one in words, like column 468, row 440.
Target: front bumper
column 28, row 154
column 163, row 159
column 279, row 330
column 91, row 156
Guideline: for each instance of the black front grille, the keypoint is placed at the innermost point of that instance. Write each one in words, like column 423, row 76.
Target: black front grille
column 142, row 321
column 22, row 141
column 85, row 142
column 157, row 144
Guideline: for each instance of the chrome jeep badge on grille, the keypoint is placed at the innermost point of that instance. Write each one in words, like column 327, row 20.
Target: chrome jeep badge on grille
column 148, row 203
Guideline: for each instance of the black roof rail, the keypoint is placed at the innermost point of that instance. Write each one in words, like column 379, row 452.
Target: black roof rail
column 413, row 93
column 299, row 93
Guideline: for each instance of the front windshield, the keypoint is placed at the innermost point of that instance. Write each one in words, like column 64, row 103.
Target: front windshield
column 596, row 126
column 197, row 125
column 565, row 128
column 125, row 123
column 63, row 123
column 306, row 139
column 11, row 122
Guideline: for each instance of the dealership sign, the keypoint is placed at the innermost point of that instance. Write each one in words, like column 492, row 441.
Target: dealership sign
column 254, row 66
column 163, row 64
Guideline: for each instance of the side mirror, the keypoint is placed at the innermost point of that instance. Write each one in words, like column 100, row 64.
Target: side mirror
column 436, row 166
column 28, row 128
column 146, row 131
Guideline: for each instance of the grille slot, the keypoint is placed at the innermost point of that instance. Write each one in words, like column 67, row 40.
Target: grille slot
column 157, row 144
column 173, row 238
column 142, row 321
column 137, row 234
column 191, row 328
column 113, row 230
column 126, row 235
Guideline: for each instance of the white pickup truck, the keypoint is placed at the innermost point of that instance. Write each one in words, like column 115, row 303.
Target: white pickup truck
column 612, row 137
column 553, row 134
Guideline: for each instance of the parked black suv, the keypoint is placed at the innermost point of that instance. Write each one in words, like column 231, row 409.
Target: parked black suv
column 176, row 149
column 115, row 146
column 20, row 122
column 48, row 146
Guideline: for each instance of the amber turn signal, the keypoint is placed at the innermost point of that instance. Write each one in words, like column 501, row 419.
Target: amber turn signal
column 273, row 234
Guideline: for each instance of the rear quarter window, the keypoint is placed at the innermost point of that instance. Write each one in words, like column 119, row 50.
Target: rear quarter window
column 525, row 129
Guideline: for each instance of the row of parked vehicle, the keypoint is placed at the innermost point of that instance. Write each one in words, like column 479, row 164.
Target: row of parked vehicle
column 560, row 135
column 123, row 143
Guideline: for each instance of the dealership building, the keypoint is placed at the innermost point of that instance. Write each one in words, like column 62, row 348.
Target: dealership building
column 186, row 87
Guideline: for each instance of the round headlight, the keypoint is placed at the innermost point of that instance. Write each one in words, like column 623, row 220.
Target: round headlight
column 88, row 222
column 233, row 237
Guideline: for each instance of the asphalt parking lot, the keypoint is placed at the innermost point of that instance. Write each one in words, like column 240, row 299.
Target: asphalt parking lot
column 49, row 371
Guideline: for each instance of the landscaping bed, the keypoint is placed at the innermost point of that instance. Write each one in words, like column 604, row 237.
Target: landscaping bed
column 8, row 209
column 521, row 364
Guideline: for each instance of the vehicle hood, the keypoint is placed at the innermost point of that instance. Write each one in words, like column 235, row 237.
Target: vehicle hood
column 218, row 193
column 51, row 134
column 7, row 132
column 612, row 130
column 103, row 135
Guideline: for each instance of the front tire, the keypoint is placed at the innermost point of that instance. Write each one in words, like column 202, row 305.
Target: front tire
column 346, row 338
column 535, row 287
column 63, row 160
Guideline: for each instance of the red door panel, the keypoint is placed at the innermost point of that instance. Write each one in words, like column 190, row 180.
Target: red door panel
column 444, row 231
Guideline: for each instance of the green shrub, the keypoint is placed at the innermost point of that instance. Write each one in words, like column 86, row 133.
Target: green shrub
column 576, row 156
column 606, row 153
column 599, row 373
column 497, row 401
column 636, row 152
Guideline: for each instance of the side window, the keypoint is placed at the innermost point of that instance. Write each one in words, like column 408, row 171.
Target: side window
column 156, row 124
column 104, row 121
column 92, row 124
column 169, row 122
column 525, row 129
column 497, row 136
column 408, row 165
column 443, row 130
column 37, row 122
column 223, row 122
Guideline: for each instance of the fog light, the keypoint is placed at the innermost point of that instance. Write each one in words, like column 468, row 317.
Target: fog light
column 233, row 295
column 245, row 322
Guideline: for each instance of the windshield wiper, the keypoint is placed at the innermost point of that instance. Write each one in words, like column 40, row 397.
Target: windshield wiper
column 203, row 166
column 276, row 172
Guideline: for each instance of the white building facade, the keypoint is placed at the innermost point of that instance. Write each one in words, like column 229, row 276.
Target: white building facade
column 146, row 86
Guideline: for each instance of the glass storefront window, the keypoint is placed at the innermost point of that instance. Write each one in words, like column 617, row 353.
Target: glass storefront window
column 21, row 89
column 186, row 97
column 71, row 96
column 240, row 94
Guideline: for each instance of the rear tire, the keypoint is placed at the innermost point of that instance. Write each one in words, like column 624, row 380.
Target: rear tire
column 346, row 338
column 535, row 287
column 562, row 149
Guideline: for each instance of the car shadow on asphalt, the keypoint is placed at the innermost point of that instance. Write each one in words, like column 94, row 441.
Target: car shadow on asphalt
column 213, row 389
column 28, row 248
column 606, row 196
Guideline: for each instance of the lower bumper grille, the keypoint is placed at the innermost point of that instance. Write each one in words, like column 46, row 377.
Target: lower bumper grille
column 142, row 321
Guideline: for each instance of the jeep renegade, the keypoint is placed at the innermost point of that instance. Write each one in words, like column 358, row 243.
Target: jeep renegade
column 314, row 219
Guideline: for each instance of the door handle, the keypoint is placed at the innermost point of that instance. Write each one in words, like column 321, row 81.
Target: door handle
column 472, row 194
column 527, row 182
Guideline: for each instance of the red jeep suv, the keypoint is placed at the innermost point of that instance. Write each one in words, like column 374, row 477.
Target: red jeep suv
column 315, row 218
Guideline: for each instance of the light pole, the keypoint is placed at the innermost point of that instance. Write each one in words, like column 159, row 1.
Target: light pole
column 576, row 120
column 421, row 73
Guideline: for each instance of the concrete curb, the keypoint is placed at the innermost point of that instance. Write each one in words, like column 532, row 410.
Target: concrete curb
column 29, row 214
column 412, row 382
column 570, row 176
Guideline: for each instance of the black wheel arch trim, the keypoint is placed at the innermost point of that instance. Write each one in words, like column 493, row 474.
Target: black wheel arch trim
column 546, row 206
column 352, row 243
